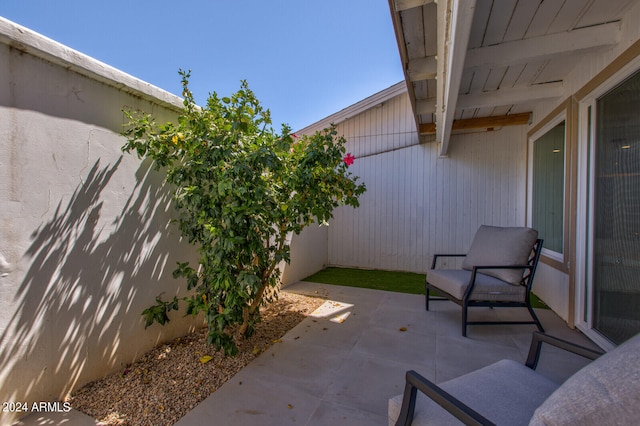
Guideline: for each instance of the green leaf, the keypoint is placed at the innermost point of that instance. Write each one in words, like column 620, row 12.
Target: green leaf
column 159, row 312
column 239, row 189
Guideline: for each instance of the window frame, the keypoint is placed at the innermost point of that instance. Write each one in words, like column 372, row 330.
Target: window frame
column 556, row 259
column 587, row 99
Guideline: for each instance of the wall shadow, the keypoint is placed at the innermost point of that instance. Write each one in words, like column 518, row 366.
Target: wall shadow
column 88, row 275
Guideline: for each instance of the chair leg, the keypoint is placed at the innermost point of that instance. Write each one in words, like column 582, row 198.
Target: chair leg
column 535, row 318
column 464, row 319
column 426, row 297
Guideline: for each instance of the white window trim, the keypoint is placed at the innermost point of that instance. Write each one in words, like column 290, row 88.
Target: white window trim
column 534, row 137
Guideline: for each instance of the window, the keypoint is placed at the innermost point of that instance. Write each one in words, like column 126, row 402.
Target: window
column 547, row 208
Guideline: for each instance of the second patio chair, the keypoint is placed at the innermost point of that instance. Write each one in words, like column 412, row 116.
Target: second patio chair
column 497, row 271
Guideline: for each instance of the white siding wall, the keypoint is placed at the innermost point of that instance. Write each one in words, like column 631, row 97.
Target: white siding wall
column 416, row 203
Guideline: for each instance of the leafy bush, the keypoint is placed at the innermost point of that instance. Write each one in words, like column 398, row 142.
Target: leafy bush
column 241, row 189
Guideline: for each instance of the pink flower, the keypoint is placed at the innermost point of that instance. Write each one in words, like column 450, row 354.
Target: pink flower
column 348, row 160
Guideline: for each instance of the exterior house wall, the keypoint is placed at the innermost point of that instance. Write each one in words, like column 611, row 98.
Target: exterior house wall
column 417, row 203
column 84, row 228
column 558, row 283
column 552, row 286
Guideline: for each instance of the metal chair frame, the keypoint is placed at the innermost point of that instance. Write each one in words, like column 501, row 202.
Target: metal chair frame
column 415, row 382
column 466, row 301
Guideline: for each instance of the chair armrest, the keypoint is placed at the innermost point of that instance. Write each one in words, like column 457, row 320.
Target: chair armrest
column 536, row 345
column 436, row 256
column 457, row 408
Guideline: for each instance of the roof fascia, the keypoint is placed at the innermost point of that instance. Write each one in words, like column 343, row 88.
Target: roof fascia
column 357, row 108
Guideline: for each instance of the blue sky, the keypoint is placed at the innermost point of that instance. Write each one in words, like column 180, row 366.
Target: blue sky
column 304, row 59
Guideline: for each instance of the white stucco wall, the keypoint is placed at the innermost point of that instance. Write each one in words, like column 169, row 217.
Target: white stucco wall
column 309, row 251
column 84, row 227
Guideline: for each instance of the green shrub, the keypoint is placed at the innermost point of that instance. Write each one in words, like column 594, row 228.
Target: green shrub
column 240, row 190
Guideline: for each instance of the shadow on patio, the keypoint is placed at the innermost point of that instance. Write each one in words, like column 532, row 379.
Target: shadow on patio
column 330, row 372
column 335, row 368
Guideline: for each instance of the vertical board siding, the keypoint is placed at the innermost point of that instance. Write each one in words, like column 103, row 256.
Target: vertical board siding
column 417, row 203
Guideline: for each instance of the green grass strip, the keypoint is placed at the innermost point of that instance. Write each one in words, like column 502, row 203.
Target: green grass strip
column 401, row 282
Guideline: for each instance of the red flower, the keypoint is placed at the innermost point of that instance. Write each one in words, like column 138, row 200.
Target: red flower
column 348, row 160
column 294, row 135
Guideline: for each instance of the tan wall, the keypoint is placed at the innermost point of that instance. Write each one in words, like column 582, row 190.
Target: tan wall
column 84, row 228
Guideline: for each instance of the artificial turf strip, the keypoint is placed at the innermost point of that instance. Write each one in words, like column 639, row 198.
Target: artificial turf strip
column 402, row 282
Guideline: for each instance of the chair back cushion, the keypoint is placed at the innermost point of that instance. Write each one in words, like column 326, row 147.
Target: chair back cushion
column 498, row 246
column 605, row 392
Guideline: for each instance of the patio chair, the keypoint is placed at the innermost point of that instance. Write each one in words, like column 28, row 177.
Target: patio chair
column 497, row 271
column 606, row 391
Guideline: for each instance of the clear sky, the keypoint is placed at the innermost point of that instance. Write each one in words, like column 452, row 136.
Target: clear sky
column 304, row 59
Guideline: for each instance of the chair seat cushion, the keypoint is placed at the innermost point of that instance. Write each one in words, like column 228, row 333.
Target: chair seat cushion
column 506, row 392
column 498, row 246
column 607, row 391
column 455, row 282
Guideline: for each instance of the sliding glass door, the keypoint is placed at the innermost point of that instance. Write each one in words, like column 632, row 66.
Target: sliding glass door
column 615, row 212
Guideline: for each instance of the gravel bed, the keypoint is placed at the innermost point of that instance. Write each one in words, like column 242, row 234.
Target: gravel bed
column 168, row 381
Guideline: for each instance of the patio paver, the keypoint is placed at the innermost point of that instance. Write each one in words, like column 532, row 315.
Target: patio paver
column 331, row 373
column 327, row 373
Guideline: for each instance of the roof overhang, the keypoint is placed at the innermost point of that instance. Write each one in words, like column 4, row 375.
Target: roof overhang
column 470, row 65
column 357, row 108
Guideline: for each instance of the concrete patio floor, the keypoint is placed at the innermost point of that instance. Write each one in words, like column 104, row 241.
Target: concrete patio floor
column 327, row 372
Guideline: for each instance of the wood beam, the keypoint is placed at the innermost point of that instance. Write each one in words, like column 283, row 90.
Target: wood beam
column 455, row 18
column 496, row 98
column 401, row 5
column 480, row 123
column 443, row 20
column 425, row 106
column 544, row 47
column 511, row 96
column 422, row 68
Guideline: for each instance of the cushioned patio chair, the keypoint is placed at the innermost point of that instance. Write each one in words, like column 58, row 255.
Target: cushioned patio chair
column 497, row 271
column 605, row 392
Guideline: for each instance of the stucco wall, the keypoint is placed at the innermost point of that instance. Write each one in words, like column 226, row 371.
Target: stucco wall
column 309, row 254
column 84, row 227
